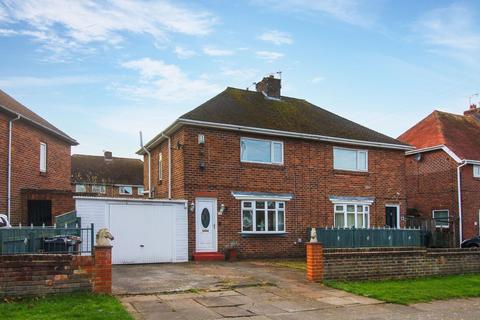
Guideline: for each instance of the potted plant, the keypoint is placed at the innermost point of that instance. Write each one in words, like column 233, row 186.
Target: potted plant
column 231, row 251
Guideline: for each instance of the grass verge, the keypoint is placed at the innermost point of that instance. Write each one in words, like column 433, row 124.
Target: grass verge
column 69, row 306
column 414, row 290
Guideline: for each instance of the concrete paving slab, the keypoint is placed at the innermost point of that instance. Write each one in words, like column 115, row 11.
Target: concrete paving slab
column 294, row 305
column 146, row 307
column 336, row 301
column 230, row 312
column 262, row 308
column 219, row 302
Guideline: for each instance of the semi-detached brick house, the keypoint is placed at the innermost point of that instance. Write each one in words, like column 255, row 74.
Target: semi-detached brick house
column 107, row 176
column 444, row 169
column 34, row 165
column 258, row 169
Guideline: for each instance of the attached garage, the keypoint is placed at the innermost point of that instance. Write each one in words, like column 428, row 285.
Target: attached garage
column 145, row 231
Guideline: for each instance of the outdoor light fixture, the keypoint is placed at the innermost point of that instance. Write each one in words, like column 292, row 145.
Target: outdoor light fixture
column 222, row 209
column 192, row 206
column 201, row 139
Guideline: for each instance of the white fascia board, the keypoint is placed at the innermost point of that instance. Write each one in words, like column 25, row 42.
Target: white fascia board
column 475, row 162
column 272, row 132
column 446, row 149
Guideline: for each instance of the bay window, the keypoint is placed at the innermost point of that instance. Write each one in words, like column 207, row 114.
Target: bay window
column 261, row 151
column 263, row 216
column 351, row 215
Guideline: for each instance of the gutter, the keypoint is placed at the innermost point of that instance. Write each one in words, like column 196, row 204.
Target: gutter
column 169, row 164
column 459, row 187
column 149, row 191
column 9, row 166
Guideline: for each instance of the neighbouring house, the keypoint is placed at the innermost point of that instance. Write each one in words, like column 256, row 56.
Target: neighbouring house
column 34, row 165
column 443, row 173
column 259, row 168
column 107, row 176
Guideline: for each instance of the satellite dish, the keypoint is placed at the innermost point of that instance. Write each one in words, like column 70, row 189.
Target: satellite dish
column 417, row 157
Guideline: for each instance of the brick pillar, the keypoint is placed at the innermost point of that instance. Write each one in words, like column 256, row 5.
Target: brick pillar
column 314, row 261
column 102, row 282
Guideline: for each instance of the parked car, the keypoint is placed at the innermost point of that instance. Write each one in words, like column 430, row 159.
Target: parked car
column 4, row 223
column 471, row 243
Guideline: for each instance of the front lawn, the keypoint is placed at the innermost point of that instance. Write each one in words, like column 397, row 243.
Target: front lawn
column 415, row 290
column 71, row 306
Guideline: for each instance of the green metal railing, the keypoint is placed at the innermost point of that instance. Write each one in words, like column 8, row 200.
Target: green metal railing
column 372, row 237
column 26, row 240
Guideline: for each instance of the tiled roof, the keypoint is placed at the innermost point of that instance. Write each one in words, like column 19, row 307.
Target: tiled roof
column 12, row 106
column 252, row 109
column 458, row 132
column 95, row 169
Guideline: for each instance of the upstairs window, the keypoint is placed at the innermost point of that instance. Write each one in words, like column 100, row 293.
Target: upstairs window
column 98, row 189
column 160, row 167
column 350, row 159
column 43, row 157
column 125, row 190
column 80, row 188
column 476, row 171
column 261, row 151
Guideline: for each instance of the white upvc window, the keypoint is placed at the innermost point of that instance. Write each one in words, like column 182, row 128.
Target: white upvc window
column 125, row 190
column 43, row 157
column 260, row 216
column 160, row 167
column 441, row 218
column 351, row 215
column 99, row 189
column 261, row 151
column 140, row 191
column 476, row 171
column 80, row 188
column 350, row 159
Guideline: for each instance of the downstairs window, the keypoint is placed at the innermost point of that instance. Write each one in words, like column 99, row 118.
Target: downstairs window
column 263, row 216
column 351, row 215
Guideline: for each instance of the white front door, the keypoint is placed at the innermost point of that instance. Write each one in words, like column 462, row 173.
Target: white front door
column 206, row 224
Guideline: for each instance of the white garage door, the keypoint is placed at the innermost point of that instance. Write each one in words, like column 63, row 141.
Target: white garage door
column 145, row 231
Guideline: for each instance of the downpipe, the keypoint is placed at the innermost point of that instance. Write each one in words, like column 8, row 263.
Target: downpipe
column 169, row 165
column 149, row 191
column 460, row 214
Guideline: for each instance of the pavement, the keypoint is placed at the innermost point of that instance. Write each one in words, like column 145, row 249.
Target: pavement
column 254, row 290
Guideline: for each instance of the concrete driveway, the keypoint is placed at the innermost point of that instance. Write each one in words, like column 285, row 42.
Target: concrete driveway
column 257, row 291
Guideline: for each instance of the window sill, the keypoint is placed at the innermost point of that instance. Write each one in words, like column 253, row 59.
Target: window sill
column 349, row 172
column 43, row 174
column 271, row 166
column 262, row 234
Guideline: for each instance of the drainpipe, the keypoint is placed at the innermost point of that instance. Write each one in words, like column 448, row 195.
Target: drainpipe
column 149, row 166
column 9, row 165
column 459, row 187
column 169, row 165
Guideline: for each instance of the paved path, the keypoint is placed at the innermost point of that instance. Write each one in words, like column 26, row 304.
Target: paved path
column 252, row 290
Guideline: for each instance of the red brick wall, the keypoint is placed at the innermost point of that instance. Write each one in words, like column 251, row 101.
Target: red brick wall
column 307, row 173
column 26, row 164
column 432, row 185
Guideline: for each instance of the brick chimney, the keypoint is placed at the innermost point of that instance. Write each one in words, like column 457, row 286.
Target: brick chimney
column 473, row 112
column 270, row 86
column 107, row 155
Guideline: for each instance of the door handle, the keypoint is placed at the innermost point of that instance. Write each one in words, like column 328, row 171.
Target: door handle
column 141, row 246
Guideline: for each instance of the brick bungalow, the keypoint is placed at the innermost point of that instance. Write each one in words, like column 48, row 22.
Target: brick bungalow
column 443, row 173
column 107, row 176
column 258, row 169
column 34, row 165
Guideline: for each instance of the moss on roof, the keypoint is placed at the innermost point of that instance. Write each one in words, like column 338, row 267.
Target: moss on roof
column 253, row 109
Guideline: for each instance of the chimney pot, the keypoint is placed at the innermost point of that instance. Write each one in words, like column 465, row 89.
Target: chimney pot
column 270, row 86
column 108, row 155
column 473, row 106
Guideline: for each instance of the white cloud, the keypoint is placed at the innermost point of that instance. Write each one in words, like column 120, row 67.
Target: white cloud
column 318, row 79
column 78, row 23
column 269, row 55
column 165, row 82
column 349, row 11
column 453, row 27
column 14, row 82
column 215, row 52
column 276, row 37
column 183, row 53
column 240, row 74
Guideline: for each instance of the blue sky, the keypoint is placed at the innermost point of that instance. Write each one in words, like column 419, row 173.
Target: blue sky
column 102, row 71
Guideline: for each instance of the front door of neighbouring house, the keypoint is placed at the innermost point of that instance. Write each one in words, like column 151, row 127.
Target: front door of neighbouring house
column 39, row 212
column 391, row 216
column 206, row 224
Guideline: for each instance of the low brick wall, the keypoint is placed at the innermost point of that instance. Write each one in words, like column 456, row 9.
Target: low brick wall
column 43, row 274
column 397, row 263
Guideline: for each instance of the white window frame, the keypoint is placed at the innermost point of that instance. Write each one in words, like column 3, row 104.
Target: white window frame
column 272, row 148
column 43, row 157
column 357, row 164
column 103, row 188
column 366, row 213
column 160, row 167
column 448, row 217
column 123, row 193
column 265, row 212
column 476, row 171
column 138, row 191
column 78, row 185
column 398, row 212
